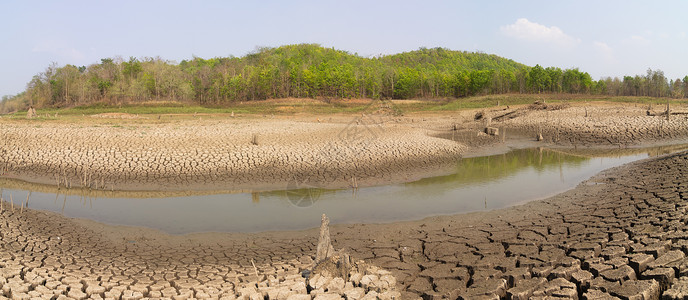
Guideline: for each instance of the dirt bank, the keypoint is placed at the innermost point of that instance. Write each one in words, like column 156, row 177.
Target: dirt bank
column 595, row 125
column 229, row 154
column 339, row 151
column 621, row 233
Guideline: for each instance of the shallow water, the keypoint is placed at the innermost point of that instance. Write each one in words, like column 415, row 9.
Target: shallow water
column 480, row 183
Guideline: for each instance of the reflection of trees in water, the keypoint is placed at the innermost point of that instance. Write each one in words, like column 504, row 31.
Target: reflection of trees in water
column 488, row 168
column 650, row 151
column 468, row 171
column 303, row 196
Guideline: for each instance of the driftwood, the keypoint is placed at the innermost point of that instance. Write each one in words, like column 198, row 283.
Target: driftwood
column 509, row 115
column 479, row 115
column 664, row 113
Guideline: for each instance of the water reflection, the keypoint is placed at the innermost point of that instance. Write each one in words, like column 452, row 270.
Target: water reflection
column 479, row 170
column 478, row 183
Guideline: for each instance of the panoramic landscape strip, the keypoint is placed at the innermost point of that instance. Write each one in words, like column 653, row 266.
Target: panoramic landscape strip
column 364, row 150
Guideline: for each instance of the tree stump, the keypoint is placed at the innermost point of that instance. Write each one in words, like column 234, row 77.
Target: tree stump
column 325, row 249
column 492, row 130
column 31, row 113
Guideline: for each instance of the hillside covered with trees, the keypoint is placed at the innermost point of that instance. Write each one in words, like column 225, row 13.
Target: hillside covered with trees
column 312, row 71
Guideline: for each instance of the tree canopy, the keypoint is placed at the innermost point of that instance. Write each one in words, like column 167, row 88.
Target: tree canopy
column 312, row 71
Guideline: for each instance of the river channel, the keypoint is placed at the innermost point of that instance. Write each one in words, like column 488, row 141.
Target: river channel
column 477, row 184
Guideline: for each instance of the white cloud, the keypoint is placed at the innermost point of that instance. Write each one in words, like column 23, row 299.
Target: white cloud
column 603, row 47
column 605, row 51
column 526, row 30
column 639, row 39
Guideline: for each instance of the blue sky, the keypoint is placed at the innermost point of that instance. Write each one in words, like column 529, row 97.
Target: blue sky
column 604, row 38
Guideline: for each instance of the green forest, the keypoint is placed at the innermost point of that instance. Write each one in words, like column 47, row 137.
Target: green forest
column 312, row 71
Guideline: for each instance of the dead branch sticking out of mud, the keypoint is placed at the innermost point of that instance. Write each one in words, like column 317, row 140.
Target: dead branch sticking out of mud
column 538, row 105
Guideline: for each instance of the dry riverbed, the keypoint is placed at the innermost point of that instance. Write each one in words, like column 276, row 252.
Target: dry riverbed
column 260, row 153
column 226, row 154
column 620, row 234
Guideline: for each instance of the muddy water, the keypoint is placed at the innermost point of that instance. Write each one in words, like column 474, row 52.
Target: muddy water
column 480, row 183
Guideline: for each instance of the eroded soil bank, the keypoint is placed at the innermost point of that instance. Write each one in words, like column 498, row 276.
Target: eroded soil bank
column 622, row 234
column 227, row 154
column 340, row 151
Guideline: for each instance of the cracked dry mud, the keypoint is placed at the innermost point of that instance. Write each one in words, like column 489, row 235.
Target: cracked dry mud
column 217, row 154
column 594, row 126
column 622, row 234
column 222, row 154
column 46, row 256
